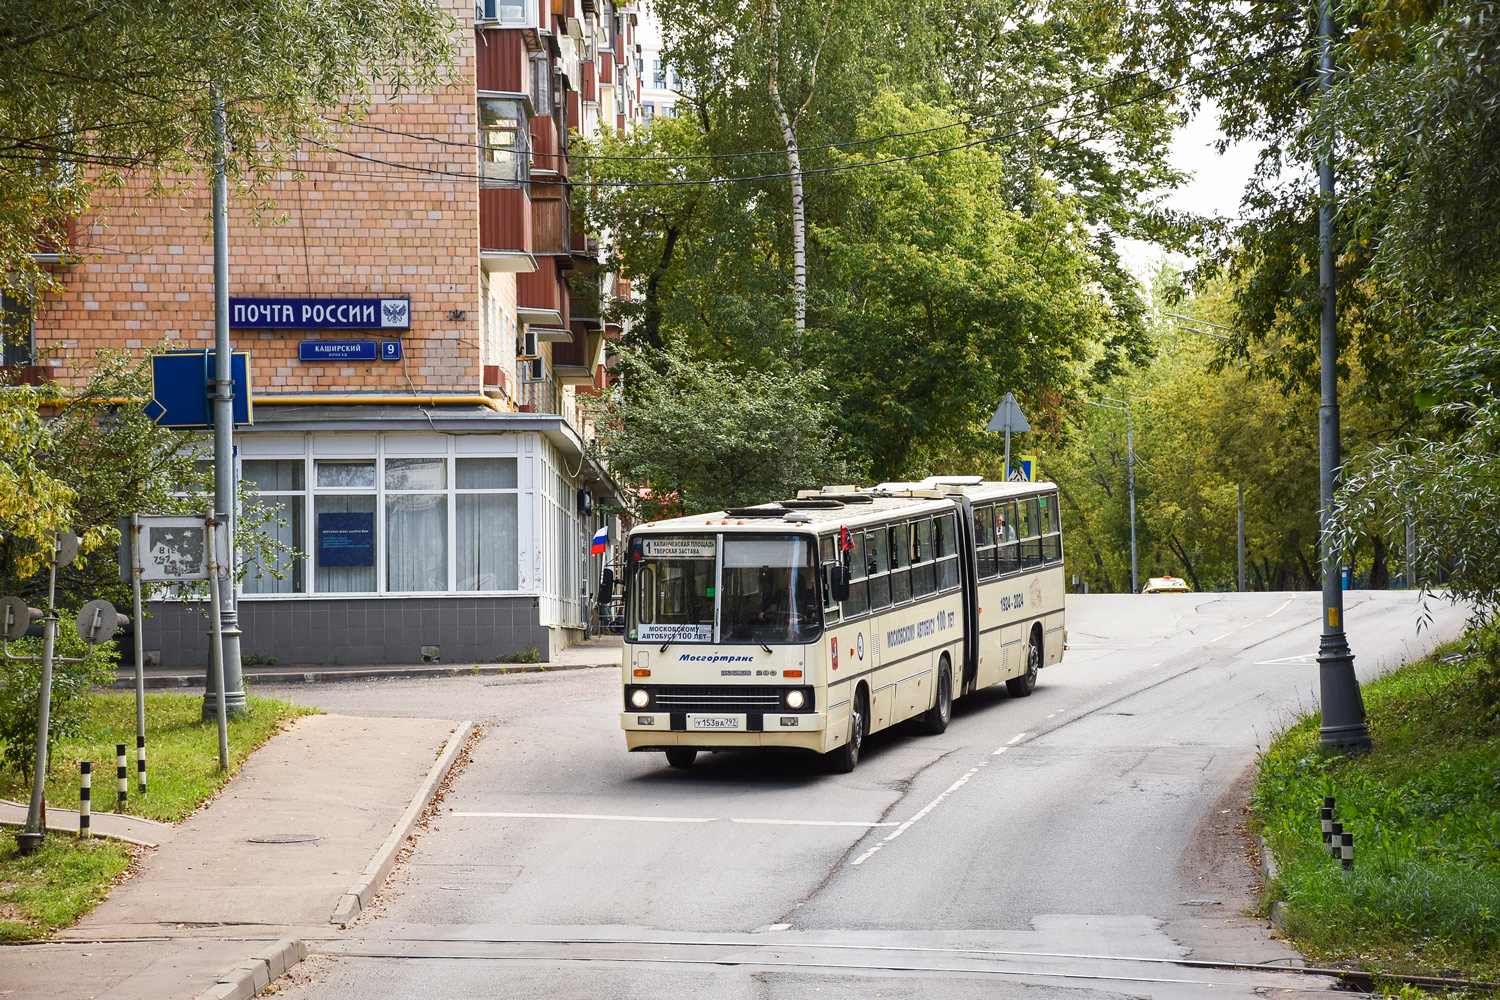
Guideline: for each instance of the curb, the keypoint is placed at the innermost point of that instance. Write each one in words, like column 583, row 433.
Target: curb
column 363, row 890
column 257, row 972
column 322, row 675
column 1268, row 869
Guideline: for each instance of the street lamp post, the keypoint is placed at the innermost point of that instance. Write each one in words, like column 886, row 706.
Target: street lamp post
column 1111, row 403
column 1343, row 725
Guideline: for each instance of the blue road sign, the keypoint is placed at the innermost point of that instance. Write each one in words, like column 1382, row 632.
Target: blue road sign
column 390, row 350
column 336, row 350
column 179, row 388
column 320, row 314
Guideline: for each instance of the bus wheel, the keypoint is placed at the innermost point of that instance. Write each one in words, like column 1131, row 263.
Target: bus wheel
column 936, row 718
column 1020, row 687
column 681, row 756
column 846, row 757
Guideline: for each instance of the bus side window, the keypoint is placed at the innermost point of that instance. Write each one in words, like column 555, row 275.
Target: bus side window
column 945, row 546
column 859, row 587
column 900, row 538
column 986, row 554
column 1051, row 536
column 828, row 550
column 924, row 568
column 1031, row 531
column 1005, row 527
column 877, row 541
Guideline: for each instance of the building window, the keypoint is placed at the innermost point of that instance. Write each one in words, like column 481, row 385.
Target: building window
column 648, row 110
column 344, row 539
column 487, row 520
column 541, row 85
column 279, row 484
column 510, row 13
column 16, row 331
column 504, row 143
column 416, row 524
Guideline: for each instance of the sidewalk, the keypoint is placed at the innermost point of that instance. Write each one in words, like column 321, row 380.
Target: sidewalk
column 221, row 907
column 601, row 651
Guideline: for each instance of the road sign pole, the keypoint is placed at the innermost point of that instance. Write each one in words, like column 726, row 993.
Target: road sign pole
column 1135, row 582
column 1343, row 726
column 216, row 623
column 36, row 812
column 1240, row 537
column 231, row 689
column 138, row 634
column 1006, row 477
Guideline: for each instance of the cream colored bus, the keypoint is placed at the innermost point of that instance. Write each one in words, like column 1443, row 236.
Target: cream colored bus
column 813, row 622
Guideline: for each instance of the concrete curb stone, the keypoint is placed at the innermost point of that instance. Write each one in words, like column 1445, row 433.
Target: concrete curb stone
column 363, row 890
column 257, row 972
column 1268, row 869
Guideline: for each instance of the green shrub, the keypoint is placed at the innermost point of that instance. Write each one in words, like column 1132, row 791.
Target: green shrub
column 21, row 685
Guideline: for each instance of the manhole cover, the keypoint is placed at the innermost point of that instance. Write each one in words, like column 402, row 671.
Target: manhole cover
column 285, row 838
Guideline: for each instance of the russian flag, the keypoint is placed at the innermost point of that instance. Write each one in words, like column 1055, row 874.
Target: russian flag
column 601, row 539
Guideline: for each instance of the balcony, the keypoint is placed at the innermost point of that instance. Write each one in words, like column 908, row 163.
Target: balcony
column 505, row 220
column 501, row 62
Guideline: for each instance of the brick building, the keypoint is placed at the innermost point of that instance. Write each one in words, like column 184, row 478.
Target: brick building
column 419, row 314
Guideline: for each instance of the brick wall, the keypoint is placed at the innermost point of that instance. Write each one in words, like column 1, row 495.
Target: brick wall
column 351, row 228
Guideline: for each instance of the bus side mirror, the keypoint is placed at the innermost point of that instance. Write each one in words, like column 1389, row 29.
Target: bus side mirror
column 838, row 582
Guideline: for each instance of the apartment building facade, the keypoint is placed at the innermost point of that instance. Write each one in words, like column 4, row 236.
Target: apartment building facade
column 421, row 322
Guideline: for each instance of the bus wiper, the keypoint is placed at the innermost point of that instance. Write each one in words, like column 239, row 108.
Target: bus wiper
column 664, row 647
column 765, row 647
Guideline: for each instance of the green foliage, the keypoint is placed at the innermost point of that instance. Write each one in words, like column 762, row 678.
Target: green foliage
column 1447, row 488
column 55, row 886
column 707, row 435
column 94, row 458
column 20, row 693
column 1424, row 807
column 520, row 656
column 93, row 91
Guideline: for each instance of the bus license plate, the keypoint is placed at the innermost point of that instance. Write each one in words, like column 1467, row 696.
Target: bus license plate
column 715, row 722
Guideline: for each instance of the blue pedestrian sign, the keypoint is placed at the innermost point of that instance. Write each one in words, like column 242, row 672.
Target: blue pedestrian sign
column 179, row 388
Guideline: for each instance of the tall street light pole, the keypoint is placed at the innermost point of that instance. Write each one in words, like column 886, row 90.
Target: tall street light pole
column 1343, row 725
column 1111, row 403
column 223, row 410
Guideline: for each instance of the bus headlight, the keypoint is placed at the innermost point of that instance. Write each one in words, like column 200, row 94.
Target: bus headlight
column 795, row 698
column 640, row 698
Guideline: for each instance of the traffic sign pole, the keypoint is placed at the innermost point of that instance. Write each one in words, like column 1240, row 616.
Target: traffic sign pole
column 229, row 693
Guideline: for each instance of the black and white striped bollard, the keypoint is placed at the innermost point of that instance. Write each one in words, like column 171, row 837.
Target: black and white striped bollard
column 85, row 786
column 1346, row 851
column 1336, row 838
column 122, row 772
column 140, row 763
column 1325, row 817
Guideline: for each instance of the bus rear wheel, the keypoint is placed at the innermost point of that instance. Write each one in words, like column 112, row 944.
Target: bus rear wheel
column 1020, row 687
column 844, row 759
column 681, row 757
column 936, row 718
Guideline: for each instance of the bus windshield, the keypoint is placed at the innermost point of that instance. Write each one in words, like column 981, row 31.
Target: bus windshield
column 767, row 594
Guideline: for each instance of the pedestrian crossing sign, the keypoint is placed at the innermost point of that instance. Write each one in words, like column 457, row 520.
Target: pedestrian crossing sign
column 1021, row 469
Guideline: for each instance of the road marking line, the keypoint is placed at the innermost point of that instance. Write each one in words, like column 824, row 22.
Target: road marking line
column 1224, row 636
column 1283, row 605
column 929, row 807
column 999, row 752
column 595, row 816
column 1015, row 739
column 816, row 822
column 865, row 856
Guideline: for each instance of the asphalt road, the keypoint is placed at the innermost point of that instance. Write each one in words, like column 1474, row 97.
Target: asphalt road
column 1083, row 842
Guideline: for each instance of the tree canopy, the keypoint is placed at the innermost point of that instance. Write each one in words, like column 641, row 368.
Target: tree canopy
column 96, row 90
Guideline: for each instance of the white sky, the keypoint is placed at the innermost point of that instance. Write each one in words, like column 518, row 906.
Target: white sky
column 1216, row 185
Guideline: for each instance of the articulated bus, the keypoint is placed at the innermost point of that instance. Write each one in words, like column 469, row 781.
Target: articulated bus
column 811, row 623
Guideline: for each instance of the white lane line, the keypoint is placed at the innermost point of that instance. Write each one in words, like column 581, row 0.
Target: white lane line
column 1015, row 739
column 1224, row 636
column 815, row 822
column 865, row 856
column 999, row 752
column 929, row 807
column 592, row 816
column 1283, row 605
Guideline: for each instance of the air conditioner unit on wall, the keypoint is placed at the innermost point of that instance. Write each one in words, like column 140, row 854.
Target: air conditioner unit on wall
column 526, row 346
column 534, row 370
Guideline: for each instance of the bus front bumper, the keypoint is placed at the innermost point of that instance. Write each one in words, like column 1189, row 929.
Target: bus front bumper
column 655, row 731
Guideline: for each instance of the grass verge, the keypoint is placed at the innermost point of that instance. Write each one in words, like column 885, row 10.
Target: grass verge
column 1424, row 807
column 58, row 884
column 182, row 753
column 55, row 885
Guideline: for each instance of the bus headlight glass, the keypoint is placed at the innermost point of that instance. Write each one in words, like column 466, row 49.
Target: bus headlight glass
column 640, row 698
column 795, row 698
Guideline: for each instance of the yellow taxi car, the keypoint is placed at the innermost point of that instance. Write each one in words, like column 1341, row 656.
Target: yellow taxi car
column 1166, row 585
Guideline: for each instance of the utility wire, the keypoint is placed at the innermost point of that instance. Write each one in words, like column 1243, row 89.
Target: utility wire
column 840, row 168
column 846, row 144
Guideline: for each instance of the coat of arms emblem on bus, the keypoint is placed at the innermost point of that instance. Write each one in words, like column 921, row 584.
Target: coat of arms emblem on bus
column 1036, row 593
column 833, row 650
